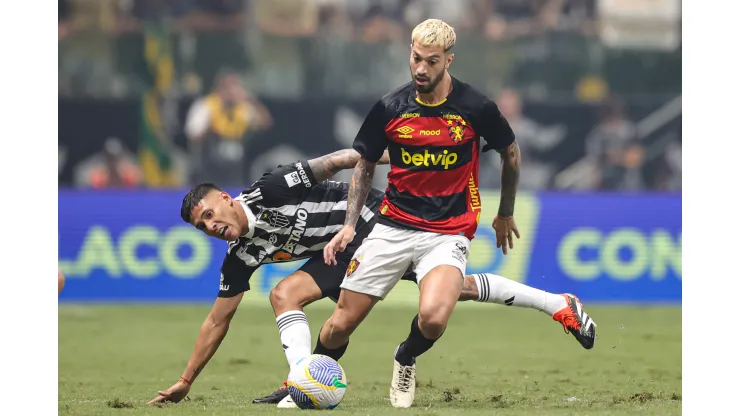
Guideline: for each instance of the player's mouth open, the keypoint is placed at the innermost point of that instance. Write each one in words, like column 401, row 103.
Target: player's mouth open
column 422, row 81
column 222, row 231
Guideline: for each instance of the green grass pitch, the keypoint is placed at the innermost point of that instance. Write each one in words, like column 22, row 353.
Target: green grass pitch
column 113, row 359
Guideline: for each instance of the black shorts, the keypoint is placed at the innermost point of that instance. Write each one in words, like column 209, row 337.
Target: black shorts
column 328, row 278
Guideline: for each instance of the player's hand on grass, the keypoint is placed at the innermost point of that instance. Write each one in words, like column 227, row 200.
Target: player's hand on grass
column 338, row 243
column 174, row 394
column 505, row 228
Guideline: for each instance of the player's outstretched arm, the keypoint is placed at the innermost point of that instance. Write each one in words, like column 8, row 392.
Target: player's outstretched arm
column 359, row 187
column 60, row 280
column 326, row 166
column 212, row 332
column 503, row 223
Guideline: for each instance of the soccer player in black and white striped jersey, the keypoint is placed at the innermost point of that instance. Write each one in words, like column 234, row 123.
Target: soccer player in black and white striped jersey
column 290, row 214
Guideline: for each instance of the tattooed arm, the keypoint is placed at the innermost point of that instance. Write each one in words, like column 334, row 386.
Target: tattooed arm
column 362, row 179
column 326, row 166
column 510, row 162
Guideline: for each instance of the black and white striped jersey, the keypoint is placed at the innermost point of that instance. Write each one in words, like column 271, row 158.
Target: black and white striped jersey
column 291, row 217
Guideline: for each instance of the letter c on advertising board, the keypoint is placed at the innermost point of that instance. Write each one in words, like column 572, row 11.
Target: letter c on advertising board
column 650, row 254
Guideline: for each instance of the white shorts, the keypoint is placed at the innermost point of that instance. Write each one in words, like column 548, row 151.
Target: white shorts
column 388, row 252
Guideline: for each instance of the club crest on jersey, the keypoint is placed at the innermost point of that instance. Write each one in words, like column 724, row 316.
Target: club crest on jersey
column 353, row 265
column 275, row 219
column 456, row 128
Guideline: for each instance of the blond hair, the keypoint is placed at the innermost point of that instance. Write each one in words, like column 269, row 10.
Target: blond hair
column 434, row 32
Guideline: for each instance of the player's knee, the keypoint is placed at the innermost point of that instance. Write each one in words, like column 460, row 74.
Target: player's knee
column 343, row 322
column 291, row 294
column 282, row 298
column 338, row 326
column 433, row 320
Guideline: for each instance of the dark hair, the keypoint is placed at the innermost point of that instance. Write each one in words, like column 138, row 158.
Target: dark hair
column 193, row 197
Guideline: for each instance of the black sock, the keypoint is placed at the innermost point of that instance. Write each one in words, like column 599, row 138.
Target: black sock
column 336, row 354
column 415, row 345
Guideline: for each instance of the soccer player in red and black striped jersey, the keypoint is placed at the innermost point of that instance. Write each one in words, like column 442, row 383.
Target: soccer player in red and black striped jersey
column 432, row 128
column 288, row 215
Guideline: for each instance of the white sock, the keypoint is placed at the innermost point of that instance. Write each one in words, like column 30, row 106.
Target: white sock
column 295, row 335
column 497, row 289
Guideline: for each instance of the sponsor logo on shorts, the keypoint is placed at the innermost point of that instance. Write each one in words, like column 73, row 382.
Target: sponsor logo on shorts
column 384, row 209
column 430, row 132
column 460, row 252
column 405, row 132
column 222, row 287
column 410, row 115
column 353, row 265
column 444, row 159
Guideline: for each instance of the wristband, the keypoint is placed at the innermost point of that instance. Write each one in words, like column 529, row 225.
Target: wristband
column 186, row 380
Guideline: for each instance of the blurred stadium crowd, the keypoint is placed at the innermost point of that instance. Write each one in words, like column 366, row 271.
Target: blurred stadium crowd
column 165, row 93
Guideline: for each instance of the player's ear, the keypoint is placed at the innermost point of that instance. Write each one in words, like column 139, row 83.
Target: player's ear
column 450, row 57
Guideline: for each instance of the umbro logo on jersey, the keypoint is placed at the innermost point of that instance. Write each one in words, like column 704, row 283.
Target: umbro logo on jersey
column 405, row 132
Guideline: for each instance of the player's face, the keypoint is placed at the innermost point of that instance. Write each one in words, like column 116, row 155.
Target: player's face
column 216, row 215
column 428, row 66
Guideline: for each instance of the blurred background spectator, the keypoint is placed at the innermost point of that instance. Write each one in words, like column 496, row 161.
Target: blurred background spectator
column 113, row 167
column 615, row 149
column 217, row 128
column 303, row 73
column 535, row 141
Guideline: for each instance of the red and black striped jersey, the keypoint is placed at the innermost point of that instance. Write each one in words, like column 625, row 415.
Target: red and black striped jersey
column 434, row 156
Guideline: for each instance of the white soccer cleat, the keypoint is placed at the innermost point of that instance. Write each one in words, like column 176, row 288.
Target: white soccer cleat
column 403, row 385
column 287, row 403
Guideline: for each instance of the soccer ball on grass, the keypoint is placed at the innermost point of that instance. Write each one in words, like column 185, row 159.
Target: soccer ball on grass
column 317, row 382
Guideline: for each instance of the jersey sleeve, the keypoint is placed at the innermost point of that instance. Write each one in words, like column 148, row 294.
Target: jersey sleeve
column 235, row 275
column 371, row 140
column 493, row 127
column 285, row 185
